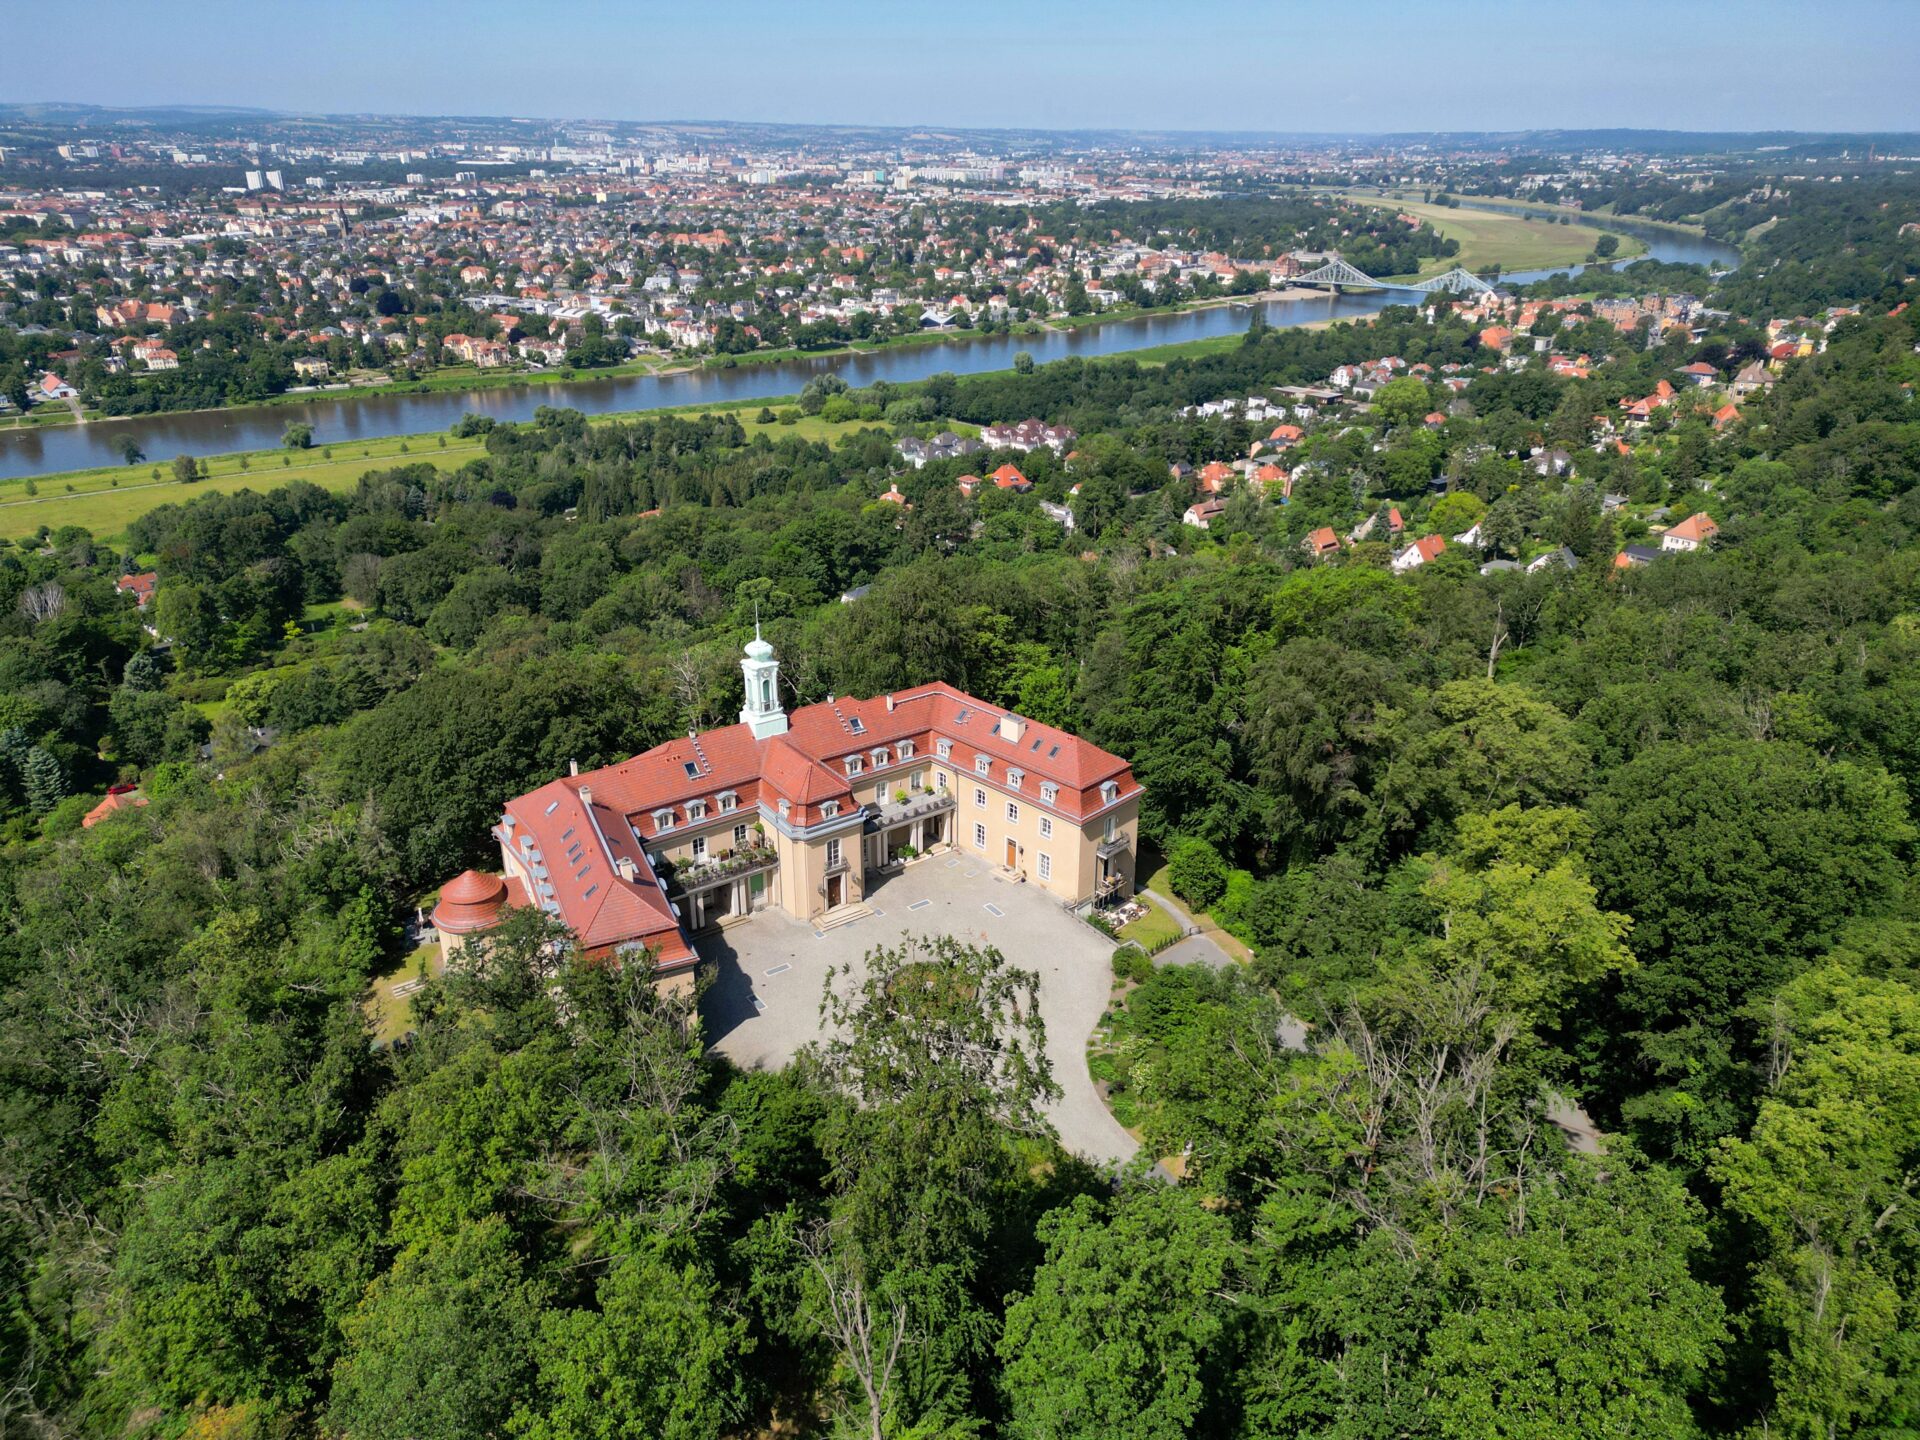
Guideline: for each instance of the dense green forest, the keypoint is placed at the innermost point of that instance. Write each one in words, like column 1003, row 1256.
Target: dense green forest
column 1636, row 840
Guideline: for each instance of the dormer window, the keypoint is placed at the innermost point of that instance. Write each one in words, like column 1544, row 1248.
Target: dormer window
column 1109, row 791
column 982, row 765
column 879, row 756
column 943, row 748
column 1049, row 791
column 785, row 807
column 663, row 819
column 1014, row 777
column 696, row 810
column 829, row 809
column 853, row 765
column 905, row 747
column 728, row 801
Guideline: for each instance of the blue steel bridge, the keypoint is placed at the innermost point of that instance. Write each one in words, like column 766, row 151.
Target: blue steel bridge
column 1336, row 273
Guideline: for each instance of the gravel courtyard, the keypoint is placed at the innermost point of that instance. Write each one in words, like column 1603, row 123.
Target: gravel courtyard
column 764, row 1003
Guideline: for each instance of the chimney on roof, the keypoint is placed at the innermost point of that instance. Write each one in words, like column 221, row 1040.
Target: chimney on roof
column 889, row 704
column 1011, row 728
column 586, row 795
column 573, row 767
column 628, row 870
column 830, row 699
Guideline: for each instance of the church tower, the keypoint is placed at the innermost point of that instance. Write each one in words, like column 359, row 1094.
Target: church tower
column 762, row 673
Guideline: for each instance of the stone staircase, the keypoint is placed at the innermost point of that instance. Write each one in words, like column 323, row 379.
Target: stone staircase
column 845, row 915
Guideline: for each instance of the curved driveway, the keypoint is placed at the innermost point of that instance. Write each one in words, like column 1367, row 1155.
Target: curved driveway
column 759, row 1014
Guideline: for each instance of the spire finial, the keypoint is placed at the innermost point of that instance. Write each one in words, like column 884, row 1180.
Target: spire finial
column 756, row 619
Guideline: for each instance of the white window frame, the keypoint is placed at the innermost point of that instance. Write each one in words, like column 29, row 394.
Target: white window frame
column 1014, row 777
column 1046, row 827
column 1109, row 790
column 786, row 808
column 699, row 847
column 739, row 836
column 983, row 764
column 879, row 756
column 905, row 747
column 979, row 836
column 940, row 781
column 1049, row 791
column 979, row 798
column 829, row 809
column 663, row 819
column 1013, row 813
column 728, row 802
column 833, row 852
column 943, row 748
column 854, row 765
column 1113, row 830
column 1046, row 866
column 696, row 810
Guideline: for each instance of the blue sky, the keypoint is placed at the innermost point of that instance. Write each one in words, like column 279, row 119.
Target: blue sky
column 1331, row 65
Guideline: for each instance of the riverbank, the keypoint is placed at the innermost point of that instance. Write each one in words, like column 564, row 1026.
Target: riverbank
column 106, row 499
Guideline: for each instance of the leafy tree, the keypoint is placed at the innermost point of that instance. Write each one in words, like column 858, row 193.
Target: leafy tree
column 1129, row 1330
column 1198, row 874
column 444, row 1346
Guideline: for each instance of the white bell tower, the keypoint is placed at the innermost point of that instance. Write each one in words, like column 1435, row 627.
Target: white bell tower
column 762, row 674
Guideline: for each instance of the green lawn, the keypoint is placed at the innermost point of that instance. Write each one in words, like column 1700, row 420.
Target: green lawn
column 1160, row 882
column 1151, row 928
column 1513, row 241
column 391, row 1014
column 105, row 500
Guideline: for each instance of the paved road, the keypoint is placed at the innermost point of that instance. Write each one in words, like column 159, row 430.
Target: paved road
column 760, row 1014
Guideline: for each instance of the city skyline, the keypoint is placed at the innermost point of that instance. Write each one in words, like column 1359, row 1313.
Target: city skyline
column 1383, row 66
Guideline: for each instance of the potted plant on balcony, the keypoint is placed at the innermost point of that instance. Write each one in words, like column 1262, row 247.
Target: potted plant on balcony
column 900, row 797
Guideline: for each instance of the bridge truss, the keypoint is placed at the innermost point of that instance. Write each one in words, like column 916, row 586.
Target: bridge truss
column 1338, row 272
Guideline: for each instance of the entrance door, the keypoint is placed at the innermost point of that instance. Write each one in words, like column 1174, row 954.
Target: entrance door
column 833, row 891
column 1013, row 855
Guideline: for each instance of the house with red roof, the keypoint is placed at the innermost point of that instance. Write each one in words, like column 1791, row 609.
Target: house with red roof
column 1321, row 543
column 1419, row 553
column 1692, row 533
column 139, row 586
column 118, row 797
column 1008, row 477
column 807, row 813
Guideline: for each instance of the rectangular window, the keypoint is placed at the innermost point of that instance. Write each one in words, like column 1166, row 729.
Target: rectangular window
column 1046, row 827
column 979, row 798
column 728, row 801
column 833, row 853
column 1013, row 813
column 943, row 748
column 853, row 765
column 940, row 781
column 1049, row 791
column 1112, row 827
column 905, row 747
column 739, row 836
column 696, row 810
column 1014, row 777
column 699, row 847
column 917, row 780
column 982, row 764
column 979, row 837
column 1046, row 867
column 663, row 819
column 829, row 809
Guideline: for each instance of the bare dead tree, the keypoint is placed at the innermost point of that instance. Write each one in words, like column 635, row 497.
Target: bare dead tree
column 42, row 602
column 868, row 1334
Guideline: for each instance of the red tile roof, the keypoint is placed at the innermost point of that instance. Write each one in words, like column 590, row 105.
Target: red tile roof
column 583, row 826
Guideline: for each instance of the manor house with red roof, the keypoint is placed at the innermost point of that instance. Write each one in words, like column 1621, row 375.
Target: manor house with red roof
column 807, row 812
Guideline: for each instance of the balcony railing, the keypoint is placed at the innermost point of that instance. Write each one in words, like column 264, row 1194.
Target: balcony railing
column 1109, row 848
column 748, row 858
column 926, row 802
